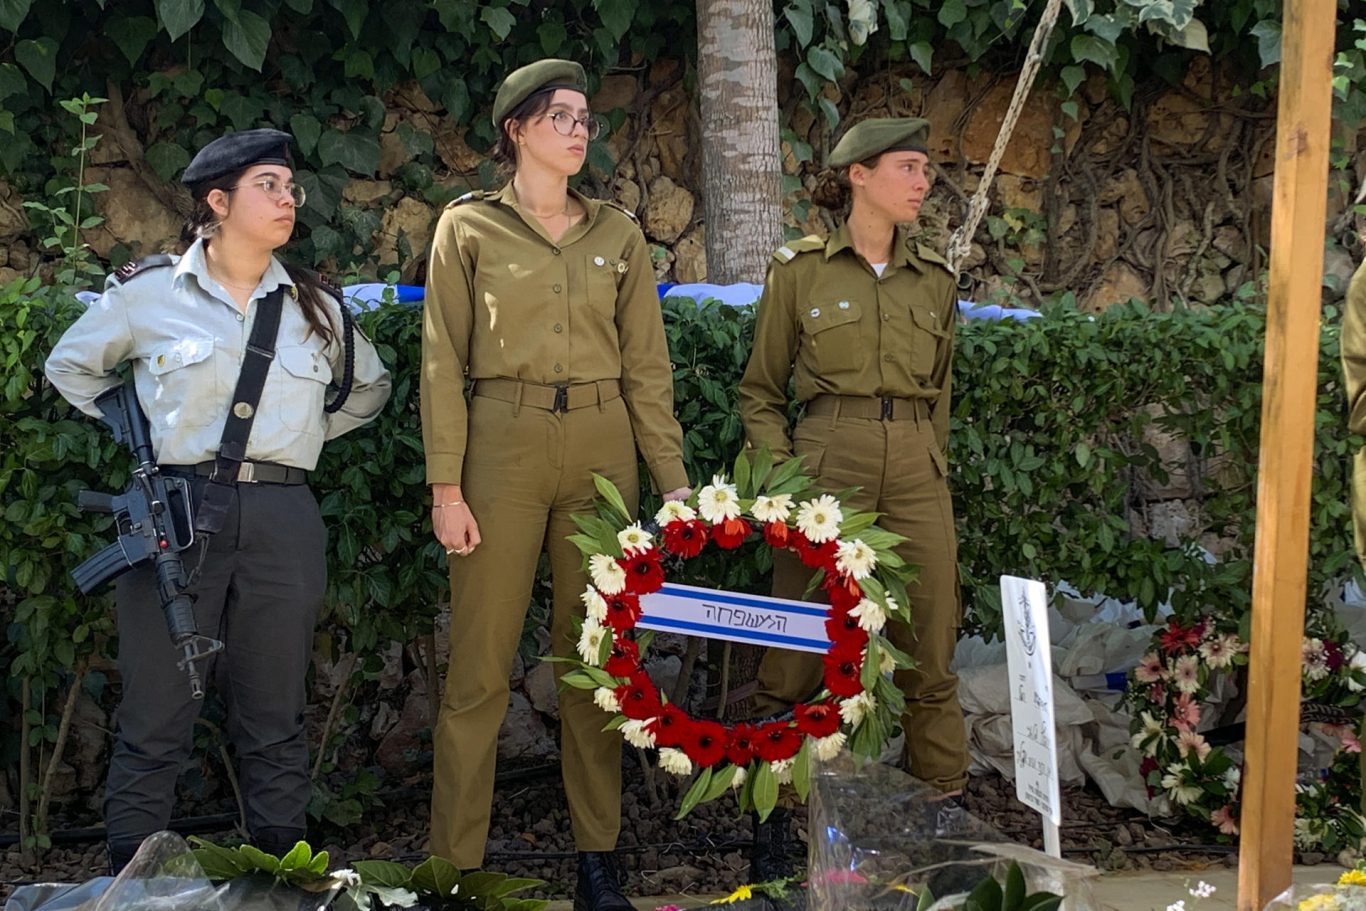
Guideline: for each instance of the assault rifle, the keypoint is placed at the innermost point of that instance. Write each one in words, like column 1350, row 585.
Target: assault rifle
column 155, row 523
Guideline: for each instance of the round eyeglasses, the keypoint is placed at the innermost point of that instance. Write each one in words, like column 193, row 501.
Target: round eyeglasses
column 564, row 123
column 277, row 190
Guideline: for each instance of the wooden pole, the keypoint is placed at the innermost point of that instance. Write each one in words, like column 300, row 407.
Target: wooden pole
column 1289, row 381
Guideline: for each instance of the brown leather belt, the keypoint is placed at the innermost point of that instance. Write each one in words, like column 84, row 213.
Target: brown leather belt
column 550, row 398
column 870, row 407
column 249, row 473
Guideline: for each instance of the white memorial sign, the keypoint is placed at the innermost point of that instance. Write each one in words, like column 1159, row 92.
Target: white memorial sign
column 1029, row 660
column 751, row 619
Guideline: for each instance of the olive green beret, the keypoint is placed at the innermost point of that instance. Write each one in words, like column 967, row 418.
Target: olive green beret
column 872, row 137
column 526, row 81
column 237, row 151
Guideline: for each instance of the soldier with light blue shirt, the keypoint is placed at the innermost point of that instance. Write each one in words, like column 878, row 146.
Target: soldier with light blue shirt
column 184, row 324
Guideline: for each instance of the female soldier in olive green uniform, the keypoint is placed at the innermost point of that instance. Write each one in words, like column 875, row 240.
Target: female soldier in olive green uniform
column 546, row 300
column 863, row 323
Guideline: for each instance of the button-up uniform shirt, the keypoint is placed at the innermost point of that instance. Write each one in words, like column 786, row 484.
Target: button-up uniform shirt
column 830, row 324
column 186, row 338
column 504, row 300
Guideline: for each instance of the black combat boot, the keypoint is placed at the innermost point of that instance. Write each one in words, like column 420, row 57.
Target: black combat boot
column 278, row 840
column 771, row 856
column 121, row 854
column 599, row 887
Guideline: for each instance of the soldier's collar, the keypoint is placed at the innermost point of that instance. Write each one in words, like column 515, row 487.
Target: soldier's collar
column 194, row 263
column 841, row 240
column 508, row 197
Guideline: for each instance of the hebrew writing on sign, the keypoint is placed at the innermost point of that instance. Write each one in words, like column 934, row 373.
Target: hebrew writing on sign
column 752, row 619
column 1029, row 663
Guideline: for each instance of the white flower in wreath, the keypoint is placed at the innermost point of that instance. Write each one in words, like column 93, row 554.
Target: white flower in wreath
column 819, row 519
column 854, row 709
column 594, row 604
column 1315, row 659
column 1233, row 777
column 590, row 641
column 1357, row 666
column 856, row 559
column 675, row 762
column 675, row 511
column 827, row 748
column 870, row 616
column 634, row 539
column 1151, row 734
column 782, row 770
column 886, row 664
column 1150, row 669
column 1186, row 673
column 1219, row 651
column 773, row 509
column 1177, row 788
column 606, row 700
column 637, row 734
column 718, row 501
column 607, row 574
column 738, row 781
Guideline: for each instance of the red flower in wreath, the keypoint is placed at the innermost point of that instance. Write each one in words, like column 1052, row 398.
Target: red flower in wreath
column 819, row 720
column 625, row 657
column 844, row 592
column 731, row 533
column 639, row 699
column 623, row 611
column 685, row 538
column 1176, row 637
column 744, row 744
column 843, row 667
column 705, row 742
column 670, row 726
column 777, row 534
column 842, row 628
column 817, row 556
column 778, row 740
column 644, row 574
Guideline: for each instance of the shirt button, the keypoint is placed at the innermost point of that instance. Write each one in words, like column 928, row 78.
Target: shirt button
column 240, row 317
column 559, row 368
column 556, row 288
column 559, row 328
column 886, row 317
column 555, row 250
column 888, row 358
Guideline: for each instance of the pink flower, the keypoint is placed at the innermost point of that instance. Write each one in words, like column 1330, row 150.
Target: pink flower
column 1150, row 669
column 1157, row 694
column 1315, row 659
column 1186, row 673
column 1189, row 742
column 1186, row 713
column 1345, row 735
column 1223, row 818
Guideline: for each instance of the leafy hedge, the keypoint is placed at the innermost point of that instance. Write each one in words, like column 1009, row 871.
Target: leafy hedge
column 1048, row 448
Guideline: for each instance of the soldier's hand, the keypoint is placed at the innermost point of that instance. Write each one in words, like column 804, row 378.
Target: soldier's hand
column 681, row 493
column 452, row 522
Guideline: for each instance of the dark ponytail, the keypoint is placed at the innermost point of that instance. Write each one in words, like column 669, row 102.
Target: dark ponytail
column 833, row 192
column 203, row 224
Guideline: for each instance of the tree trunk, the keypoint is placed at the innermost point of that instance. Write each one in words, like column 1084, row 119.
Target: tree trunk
column 741, row 176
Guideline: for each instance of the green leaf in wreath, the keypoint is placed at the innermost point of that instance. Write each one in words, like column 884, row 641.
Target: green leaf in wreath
column 870, row 673
column 743, row 476
column 763, row 467
column 695, row 793
column 801, row 771
column 720, row 782
column 608, row 491
column 765, row 790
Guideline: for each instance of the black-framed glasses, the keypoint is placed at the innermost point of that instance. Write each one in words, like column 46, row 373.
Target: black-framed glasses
column 277, row 189
column 564, row 123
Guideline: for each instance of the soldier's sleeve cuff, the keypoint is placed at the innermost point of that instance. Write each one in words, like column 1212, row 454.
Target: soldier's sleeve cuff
column 668, row 476
column 444, row 467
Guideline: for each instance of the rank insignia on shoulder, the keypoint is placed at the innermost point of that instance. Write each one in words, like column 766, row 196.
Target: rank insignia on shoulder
column 134, row 268
column 471, row 196
column 929, row 255
column 808, row 244
column 621, row 208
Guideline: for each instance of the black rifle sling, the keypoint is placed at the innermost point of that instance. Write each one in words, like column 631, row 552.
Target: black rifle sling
column 232, row 449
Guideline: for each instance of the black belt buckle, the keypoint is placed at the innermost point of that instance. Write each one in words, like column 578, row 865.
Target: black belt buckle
column 887, row 407
column 561, row 400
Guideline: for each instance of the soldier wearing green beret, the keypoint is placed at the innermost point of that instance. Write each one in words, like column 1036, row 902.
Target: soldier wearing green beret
column 545, row 300
column 862, row 323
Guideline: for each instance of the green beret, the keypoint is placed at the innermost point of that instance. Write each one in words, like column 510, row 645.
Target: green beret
column 237, row 151
column 872, row 137
column 522, row 83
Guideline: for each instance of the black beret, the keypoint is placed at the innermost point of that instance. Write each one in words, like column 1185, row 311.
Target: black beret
column 877, row 135
column 236, row 151
column 526, row 81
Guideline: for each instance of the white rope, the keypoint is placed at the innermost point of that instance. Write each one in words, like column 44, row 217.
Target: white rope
column 961, row 241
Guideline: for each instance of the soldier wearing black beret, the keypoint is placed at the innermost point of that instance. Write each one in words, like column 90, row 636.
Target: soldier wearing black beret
column 184, row 323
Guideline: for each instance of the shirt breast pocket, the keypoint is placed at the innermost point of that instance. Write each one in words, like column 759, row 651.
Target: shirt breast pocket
column 602, row 277
column 300, row 387
column 187, row 382
column 929, row 338
column 832, row 335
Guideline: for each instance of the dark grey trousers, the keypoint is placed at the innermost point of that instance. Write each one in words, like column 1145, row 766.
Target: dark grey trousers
column 259, row 591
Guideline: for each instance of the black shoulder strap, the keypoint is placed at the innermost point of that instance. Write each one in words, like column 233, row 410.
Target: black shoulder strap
column 135, row 267
column 348, row 343
column 232, row 449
